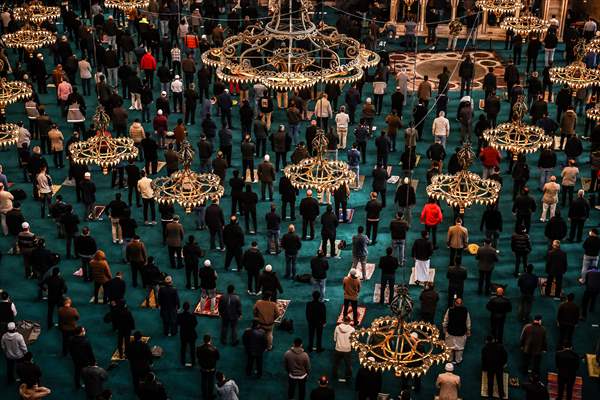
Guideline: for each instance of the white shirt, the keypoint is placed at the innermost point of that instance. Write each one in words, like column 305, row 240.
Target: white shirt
column 23, row 137
column 441, row 126
column 176, row 86
column 379, row 87
column 176, row 54
column 342, row 120
column 590, row 26
column 144, row 186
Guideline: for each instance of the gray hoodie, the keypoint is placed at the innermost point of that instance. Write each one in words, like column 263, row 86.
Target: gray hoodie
column 341, row 337
column 296, row 362
column 13, row 345
column 228, row 391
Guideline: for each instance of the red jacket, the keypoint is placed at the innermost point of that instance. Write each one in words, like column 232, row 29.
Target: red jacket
column 490, row 157
column 148, row 62
column 431, row 214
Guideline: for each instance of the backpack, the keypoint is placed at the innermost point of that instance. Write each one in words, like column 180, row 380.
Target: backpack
column 287, row 325
column 19, row 194
column 30, row 330
column 303, row 278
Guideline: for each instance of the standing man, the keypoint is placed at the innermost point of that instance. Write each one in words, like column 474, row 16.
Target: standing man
column 297, row 366
column 329, row 223
column 457, row 240
column 498, row 306
column 487, row 258
column 533, row 345
column 351, row 285
column 373, row 211
column 318, row 268
column 174, row 236
column 388, row 265
column 81, row 352
column 136, row 256
column 528, row 284
column 556, row 267
column 144, row 187
column 309, row 210
column 187, row 334
column 233, row 237
column 567, row 319
column 493, row 359
column 207, row 356
column 230, row 311
column 291, row 244
column 316, row 317
column 255, row 343
column 579, row 212
column 360, row 251
column 343, row 349
column 567, row 364
column 14, row 348
column 168, row 302
column 457, row 328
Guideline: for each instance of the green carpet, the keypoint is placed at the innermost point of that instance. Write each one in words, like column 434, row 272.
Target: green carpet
column 57, row 371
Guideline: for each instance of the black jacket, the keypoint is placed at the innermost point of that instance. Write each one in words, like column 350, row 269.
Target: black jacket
column 388, row 265
column 520, row 243
column 115, row 289
column 81, row 351
column 191, row 254
column 499, row 306
column 309, row 208
column 208, row 355
column 85, row 246
column 398, row 229
column 269, row 282
column 567, row 363
column 405, row 195
column 214, row 217
column 422, row 249
column 493, row 357
column 291, row 243
column 56, row 288
column 286, row 190
column 524, row 205
column 556, row 262
column 230, row 307
column 122, row 320
column 556, row 228
column 579, row 209
column 139, row 356
column 380, row 177
column 329, row 223
column 528, row 283
column 316, row 313
column 255, row 341
column 456, row 276
column 253, row 260
column 319, row 267
column 233, row 236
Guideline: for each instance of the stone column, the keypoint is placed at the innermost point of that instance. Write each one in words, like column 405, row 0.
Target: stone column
column 454, row 5
column 394, row 10
column 422, row 13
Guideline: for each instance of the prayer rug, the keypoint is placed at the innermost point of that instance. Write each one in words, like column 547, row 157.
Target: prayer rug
column 115, row 356
column 377, row 293
column 370, row 270
column 247, row 177
column 349, row 215
column 361, row 182
column 484, row 385
column 160, row 165
column 151, row 300
column 205, row 311
column 282, row 306
column 553, row 387
column 592, row 366
column 542, row 286
column 412, row 280
column 362, row 310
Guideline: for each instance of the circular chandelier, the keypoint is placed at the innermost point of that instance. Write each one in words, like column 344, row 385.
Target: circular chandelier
column 500, row 7
column 36, row 12
column 29, row 38
column 576, row 75
column 392, row 343
column 593, row 46
column 290, row 52
column 186, row 187
column 464, row 188
column 525, row 24
column 9, row 134
column 13, row 91
column 317, row 172
column 516, row 136
column 593, row 113
column 102, row 149
column 126, row 5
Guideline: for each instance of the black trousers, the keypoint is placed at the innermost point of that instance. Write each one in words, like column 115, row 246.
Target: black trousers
column 588, row 302
column 186, row 344
column 576, row 229
column 51, row 306
column 523, row 220
column 331, row 240
column 308, row 223
column 498, row 328
column 432, row 229
column 191, row 272
column 520, row 258
column 565, row 382
column 495, row 375
column 292, row 383
column 372, row 230
column 292, row 205
column 455, row 256
column 344, row 206
column 354, row 305
column 175, row 253
column 565, row 334
column 227, row 326
column 485, row 277
column 149, row 205
column 231, row 254
column 315, row 330
column 136, row 267
column 131, row 189
column 253, row 360
column 207, row 383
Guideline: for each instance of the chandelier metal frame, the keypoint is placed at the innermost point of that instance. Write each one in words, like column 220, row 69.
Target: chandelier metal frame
column 516, row 136
column 9, row 134
column 593, row 113
column 409, row 349
column 32, row 36
column 13, row 91
column 36, row 12
column 186, row 187
column 126, row 5
column 500, row 7
column 103, row 149
column 318, row 172
column 525, row 24
column 576, row 75
column 290, row 52
column 593, row 46
column 464, row 188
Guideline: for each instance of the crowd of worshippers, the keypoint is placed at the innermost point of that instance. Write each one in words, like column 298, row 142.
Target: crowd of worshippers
column 122, row 65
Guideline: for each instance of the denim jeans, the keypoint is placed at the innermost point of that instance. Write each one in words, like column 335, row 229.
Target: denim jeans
column 399, row 246
column 319, row 285
column 273, row 236
column 545, row 174
column 200, row 211
column 294, row 129
column 588, row 263
column 441, row 139
column 290, row 265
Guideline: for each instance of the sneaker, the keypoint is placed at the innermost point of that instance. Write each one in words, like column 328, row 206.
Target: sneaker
column 249, row 292
column 188, row 365
column 115, row 241
column 153, row 222
column 121, row 241
column 146, row 223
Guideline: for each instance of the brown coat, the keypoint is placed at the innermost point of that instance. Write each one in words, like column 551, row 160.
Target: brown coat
column 56, row 140
column 266, row 172
column 67, row 318
column 351, row 288
column 179, row 133
column 458, row 237
column 449, row 385
column 266, row 312
column 424, row 91
column 174, row 234
column 136, row 251
column 99, row 268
